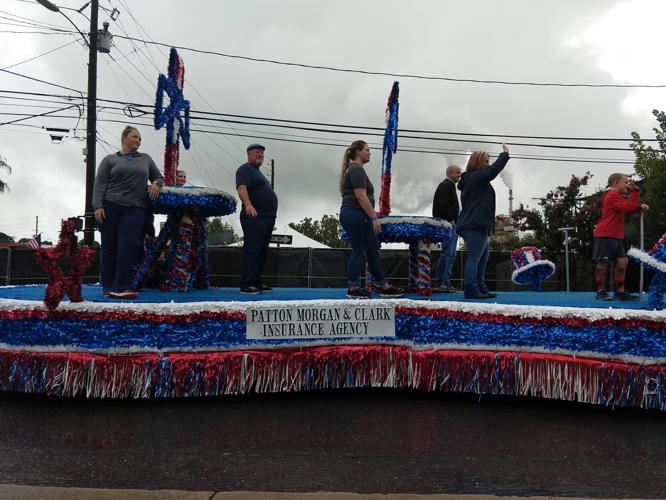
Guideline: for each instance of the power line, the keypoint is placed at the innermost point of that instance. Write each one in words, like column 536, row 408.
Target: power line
column 38, row 56
column 406, row 136
column 402, row 75
column 51, row 31
column 343, row 132
column 140, row 28
column 402, row 131
column 41, row 81
column 28, row 20
column 404, row 148
column 150, row 59
column 357, row 128
column 36, row 115
column 365, row 129
column 415, row 148
column 397, row 75
column 200, row 166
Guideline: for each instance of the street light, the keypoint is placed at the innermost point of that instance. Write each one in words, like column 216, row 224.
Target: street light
column 54, row 8
column 91, row 122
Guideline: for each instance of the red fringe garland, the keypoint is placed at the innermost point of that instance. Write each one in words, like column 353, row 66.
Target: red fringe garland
column 121, row 315
column 171, row 156
column 144, row 375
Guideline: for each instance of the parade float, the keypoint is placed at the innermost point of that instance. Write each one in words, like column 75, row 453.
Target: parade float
column 182, row 342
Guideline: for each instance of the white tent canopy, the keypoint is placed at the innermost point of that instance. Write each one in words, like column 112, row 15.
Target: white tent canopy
column 299, row 240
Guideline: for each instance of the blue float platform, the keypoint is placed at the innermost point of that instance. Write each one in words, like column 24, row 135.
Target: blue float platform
column 93, row 293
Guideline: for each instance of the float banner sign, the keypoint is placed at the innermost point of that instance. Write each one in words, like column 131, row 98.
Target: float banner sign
column 319, row 322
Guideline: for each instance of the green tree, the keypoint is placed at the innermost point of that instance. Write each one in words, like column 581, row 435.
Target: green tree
column 220, row 233
column 326, row 231
column 26, row 240
column 509, row 241
column 651, row 167
column 4, row 165
column 5, row 238
column 565, row 206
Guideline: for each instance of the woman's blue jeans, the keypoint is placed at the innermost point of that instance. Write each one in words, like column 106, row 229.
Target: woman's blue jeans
column 364, row 244
column 477, row 243
column 122, row 241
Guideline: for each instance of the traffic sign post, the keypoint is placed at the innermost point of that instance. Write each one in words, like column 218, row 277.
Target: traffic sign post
column 281, row 239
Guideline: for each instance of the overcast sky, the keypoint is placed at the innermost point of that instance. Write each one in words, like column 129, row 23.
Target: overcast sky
column 598, row 42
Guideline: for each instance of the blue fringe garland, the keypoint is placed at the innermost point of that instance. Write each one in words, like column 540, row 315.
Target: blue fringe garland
column 408, row 232
column 418, row 329
column 207, row 204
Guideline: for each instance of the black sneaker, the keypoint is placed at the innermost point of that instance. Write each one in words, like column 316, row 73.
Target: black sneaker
column 357, row 293
column 603, row 296
column 489, row 295
column 250, row 290
column 390, row 292
column 626, row 296
column 443, row 289
column 264, row 288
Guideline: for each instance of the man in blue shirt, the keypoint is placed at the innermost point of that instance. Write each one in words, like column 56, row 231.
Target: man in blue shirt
column 257, row 219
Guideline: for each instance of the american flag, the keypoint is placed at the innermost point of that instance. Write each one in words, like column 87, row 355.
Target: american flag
column 35, row 242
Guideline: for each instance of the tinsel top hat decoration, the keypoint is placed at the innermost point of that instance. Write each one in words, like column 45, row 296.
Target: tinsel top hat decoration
column 655, row 259
column 531, row 268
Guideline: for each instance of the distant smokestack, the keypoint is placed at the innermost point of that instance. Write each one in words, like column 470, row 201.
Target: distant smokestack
column 511, row 203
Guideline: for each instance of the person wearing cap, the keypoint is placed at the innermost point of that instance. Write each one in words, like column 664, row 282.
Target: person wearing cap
column 257, row 218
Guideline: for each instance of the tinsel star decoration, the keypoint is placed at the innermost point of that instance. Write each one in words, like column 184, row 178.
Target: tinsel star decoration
column 52, row 259
column 177, row 125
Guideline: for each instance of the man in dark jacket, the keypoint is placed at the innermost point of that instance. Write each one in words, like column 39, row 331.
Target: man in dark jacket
column 445, row 206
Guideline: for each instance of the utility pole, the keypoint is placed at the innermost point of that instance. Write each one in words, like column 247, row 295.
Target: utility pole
column 91, row 126
column 91, row 122
column 566, row 252
column 272, row 174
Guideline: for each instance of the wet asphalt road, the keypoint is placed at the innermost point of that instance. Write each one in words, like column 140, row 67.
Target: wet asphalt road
column 361, row 441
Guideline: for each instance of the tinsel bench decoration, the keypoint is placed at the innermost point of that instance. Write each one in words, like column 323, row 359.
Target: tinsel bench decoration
column 183, row 236
column 418, row 232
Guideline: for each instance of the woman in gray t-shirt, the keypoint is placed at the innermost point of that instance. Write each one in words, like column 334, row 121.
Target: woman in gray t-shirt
column 358, row 218
column 120, row 197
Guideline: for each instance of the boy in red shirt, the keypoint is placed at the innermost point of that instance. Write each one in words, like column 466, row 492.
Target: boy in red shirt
column 609, row 233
